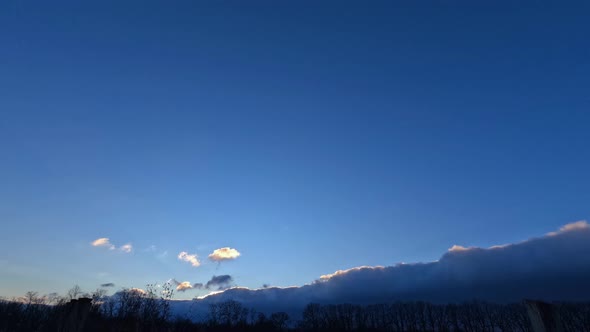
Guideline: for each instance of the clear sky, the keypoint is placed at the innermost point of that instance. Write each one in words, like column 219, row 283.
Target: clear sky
column 310, row 136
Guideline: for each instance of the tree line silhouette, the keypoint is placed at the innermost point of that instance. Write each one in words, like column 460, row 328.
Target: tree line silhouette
column 149, row 310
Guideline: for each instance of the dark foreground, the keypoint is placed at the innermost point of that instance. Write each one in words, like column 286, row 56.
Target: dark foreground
column 137, row 312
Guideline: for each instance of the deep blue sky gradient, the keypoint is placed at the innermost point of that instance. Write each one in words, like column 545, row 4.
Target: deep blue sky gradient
column 310, row 136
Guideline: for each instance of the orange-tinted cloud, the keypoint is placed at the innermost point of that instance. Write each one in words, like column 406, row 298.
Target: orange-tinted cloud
column 190, row 258
column 103, row 242
column 224, row 254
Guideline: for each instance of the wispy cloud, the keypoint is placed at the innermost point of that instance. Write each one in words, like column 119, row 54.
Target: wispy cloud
column 190, row 258
column 126, row 248
column 108, row 284
column 224, row 254
column 103, row 242
column 162, row 255
column 151, row 248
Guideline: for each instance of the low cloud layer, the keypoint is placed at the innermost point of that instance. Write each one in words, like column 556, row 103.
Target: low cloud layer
column 224, row 254
column 189, row 258
column 553, row 267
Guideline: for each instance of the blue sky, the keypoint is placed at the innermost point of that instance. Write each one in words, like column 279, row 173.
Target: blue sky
column 310, row 137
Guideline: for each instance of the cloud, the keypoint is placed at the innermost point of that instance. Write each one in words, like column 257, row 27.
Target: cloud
column 341, row 272
column 126, row 248
column 193, row 259
column 137, row 291
column 130, row 291
column 108, row 284
column 578, row 225
column 457, row 248
column 185, row 285
column 219, row 282
column 103, row 242
column 224, row 254
column 553, row 267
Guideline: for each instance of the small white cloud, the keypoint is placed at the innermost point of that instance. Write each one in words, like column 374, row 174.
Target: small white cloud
column 224, row 254
column 103, row 242
column 126, row 248
column 183, row 286
column 190, row 258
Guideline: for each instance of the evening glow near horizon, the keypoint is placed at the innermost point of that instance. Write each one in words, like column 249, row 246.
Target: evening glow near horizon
column 257, row 144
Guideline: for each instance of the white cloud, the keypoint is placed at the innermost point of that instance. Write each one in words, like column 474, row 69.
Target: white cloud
column 126, row 248
column 190, row 258
column 183, row 286
column 223, row 254
column 103, row 242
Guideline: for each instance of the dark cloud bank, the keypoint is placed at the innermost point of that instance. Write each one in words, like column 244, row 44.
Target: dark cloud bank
column 553, row 267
